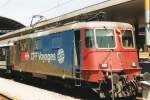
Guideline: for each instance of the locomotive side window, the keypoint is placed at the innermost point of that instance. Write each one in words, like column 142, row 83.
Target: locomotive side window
column 127, row 39
column 89, row 38
column 105, row 38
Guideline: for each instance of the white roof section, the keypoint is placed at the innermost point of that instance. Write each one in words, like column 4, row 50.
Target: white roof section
column 96, row 24
column 76, row 25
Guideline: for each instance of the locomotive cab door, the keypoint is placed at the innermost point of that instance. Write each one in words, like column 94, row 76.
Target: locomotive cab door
column 77, row 48
column 77, row 57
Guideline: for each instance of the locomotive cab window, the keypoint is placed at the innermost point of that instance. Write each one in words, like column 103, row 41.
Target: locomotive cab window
column 105, row 38
column 89, row 38
column 127, row 39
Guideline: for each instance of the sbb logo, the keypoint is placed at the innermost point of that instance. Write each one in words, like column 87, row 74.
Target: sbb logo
column 60, row 56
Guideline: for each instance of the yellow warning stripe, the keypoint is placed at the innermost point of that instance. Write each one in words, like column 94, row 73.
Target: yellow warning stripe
column 147, row 4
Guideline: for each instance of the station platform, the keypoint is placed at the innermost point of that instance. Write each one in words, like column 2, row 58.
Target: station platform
column 19, row 91
column 146, row 90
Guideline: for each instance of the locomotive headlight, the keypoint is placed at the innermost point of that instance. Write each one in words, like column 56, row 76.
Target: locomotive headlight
column 133, row 64
column 104, row 66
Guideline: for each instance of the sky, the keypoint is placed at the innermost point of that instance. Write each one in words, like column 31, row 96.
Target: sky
column 23, row 10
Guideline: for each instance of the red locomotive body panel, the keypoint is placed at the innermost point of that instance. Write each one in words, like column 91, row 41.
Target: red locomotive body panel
column 118, row 60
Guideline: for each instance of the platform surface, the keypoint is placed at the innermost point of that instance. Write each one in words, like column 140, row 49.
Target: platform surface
column 19, row 91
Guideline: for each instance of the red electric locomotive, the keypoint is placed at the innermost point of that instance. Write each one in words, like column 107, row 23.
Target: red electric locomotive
column 98, row 54
column 109, row 55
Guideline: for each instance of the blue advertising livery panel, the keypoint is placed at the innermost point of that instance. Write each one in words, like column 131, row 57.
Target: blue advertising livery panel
column 51, row 54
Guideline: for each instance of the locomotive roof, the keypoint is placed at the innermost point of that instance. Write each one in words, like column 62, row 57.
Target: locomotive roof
column 102, row 24
column 18, row 35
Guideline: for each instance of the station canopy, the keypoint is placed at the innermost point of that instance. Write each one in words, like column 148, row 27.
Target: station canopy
column 8, row 25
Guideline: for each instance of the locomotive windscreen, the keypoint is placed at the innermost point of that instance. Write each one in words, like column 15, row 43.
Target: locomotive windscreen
column 105, row 38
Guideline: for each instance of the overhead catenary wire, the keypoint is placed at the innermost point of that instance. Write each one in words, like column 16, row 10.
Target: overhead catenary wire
column 52, row 8
column 56, row 6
